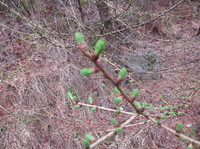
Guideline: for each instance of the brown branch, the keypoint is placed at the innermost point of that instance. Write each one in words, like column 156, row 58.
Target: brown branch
column 112, row 133
column 107, row 76
column 198, row 33
column 139, row 111
column 114, row 110
column 81, row 10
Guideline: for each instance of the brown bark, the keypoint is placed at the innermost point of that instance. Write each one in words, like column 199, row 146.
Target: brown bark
column 81, row 10
column 198, row 33
column 104, row 14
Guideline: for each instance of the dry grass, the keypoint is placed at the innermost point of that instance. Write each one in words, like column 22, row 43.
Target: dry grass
column 36, row 74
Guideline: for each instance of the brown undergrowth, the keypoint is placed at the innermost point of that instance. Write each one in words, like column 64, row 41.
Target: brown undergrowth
column 35, row 111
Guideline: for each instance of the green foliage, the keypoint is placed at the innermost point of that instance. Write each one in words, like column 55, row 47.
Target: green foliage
column 167, row 107
column 163, row 116
column 85, row 143
column 89, row 137
column 158, row 122
column 79, row 38
column 70, row 95
column 136, row 92
column 193, row 133
column 117, row 100
column 84, row 1
column 144, row 104
column 181, row 104
column 179, row 126
column 138, row 105
column 99, row 46
column 86, row 71
column 76, row 106
column 75, row 133
column 183, row 139
column 122, row 73
column 183, row 97
column 118, row 130
column 119, row 110
column 114, row 121
column 175, row 106
column 179, row 113
column 103, row 85
column 116, row 90
column 77, row 139
column 186, row 106
column 161, row 108
column 151, row 107
column 75, row 97
column 190, row 146
column 90, row 100
column 93, row 109
column 172, row 113
column 112, row 138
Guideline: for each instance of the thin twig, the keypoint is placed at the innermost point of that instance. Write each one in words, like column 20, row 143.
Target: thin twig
column 113, row 110
column 139, row 111
column 103, row 108
column 110, row 134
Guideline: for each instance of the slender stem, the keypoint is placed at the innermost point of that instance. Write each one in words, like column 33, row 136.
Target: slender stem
column 110, row 134
column 138, row 111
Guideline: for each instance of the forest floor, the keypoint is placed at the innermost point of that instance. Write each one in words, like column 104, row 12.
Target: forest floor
column 35, row 110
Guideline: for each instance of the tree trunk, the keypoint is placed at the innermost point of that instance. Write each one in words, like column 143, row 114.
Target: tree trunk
column 81, row 10
column 104, row 14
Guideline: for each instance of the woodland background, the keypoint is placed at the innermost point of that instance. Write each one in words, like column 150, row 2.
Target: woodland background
column 40, row 63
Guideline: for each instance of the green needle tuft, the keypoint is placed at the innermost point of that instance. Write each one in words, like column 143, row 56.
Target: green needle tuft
column 99, row 46
column 86, row 72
